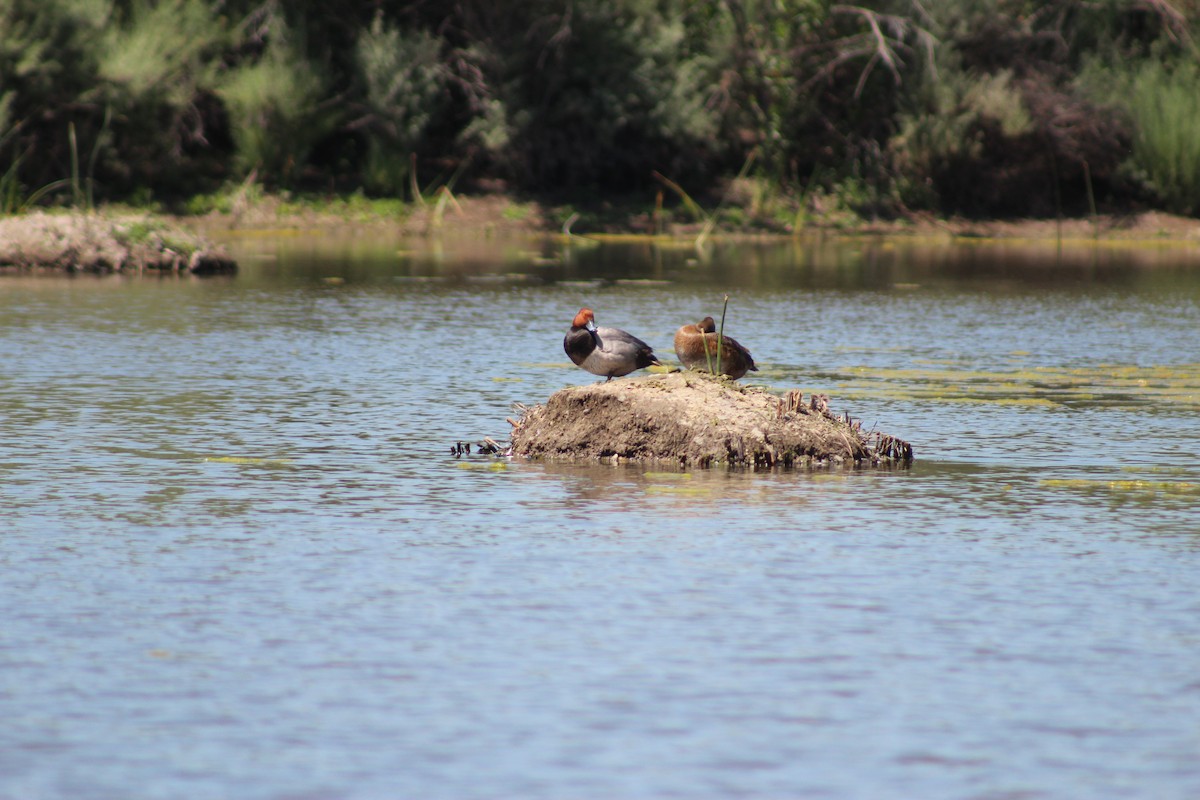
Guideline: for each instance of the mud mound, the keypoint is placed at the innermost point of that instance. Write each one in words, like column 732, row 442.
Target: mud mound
column 92, row 243
column 693, row 418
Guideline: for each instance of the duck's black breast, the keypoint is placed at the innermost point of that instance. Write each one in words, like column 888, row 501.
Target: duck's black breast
column 579, row 344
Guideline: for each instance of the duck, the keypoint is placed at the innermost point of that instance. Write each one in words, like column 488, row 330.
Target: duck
column 690, row 343
column 610, row 352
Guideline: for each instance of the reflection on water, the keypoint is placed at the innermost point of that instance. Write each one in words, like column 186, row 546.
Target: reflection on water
column 242, row 560
column 818, row 261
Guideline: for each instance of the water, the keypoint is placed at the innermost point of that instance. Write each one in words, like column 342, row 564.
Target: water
column 240, row 561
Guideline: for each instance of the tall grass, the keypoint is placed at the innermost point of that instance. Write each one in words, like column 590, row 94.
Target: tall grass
column 1163, row 101
column 14, row 199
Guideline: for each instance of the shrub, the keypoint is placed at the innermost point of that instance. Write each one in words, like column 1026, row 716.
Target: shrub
column 274, row 107
column 159, row 64
column 405, row 89
column 942, row 139
column 1163, row 102
column 603, row 94
column 47, row 73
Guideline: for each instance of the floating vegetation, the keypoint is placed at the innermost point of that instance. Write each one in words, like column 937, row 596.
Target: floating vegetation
column 269, row 462
column 1161, row 470
column 487, row 466
column 1126, row 489
column 689, row 491
column 1111, row 385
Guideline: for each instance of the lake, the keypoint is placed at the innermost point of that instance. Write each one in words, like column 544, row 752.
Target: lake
column 240, row 559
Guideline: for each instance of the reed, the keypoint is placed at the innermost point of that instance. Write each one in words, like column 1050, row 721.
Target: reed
column 444, row 198
column 721, row 332
column 707, row 353
column 413, row 186
column 1087, row 179
column 709, row 221
column 800, row 222
column 76, row 191
column 13, row 200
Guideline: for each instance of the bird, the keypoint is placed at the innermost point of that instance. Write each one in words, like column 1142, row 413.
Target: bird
column 692, row 340
column 610, row 352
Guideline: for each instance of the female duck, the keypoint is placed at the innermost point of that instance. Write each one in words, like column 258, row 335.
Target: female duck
column 692, row 340
column 605, row 351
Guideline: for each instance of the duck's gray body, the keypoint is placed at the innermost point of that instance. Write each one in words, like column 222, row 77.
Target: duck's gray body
column 610, row 352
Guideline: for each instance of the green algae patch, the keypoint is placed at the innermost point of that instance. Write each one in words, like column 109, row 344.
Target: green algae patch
column 667, row 476
column 270, row 462
column 485, row 466
column 684, row 491
column 1131, row 488
column 1103, row 385
column 1160, row 470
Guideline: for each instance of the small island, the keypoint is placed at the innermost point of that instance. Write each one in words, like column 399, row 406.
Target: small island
column 94, row 243
column 695, row 419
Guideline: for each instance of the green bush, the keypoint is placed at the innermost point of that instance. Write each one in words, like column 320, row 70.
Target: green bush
column 405, row 80
column 965, row 105
column 1163, row 102
column 607, row 98
column 157, row 63
column 164, row 52
column 275, row 109
column 48, row 68
column 947, row 125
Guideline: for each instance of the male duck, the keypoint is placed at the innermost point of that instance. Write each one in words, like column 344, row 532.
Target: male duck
column 690, row 343
column 605, row 351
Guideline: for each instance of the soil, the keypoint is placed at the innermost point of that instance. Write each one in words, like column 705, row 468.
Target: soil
column 691, row 418
column 91, row 243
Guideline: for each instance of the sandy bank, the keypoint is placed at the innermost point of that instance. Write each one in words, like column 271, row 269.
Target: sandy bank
column 77, row 242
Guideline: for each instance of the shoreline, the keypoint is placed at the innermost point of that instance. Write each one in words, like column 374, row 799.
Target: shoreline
column 492, row 214
column 106, row 243
column 115, row 239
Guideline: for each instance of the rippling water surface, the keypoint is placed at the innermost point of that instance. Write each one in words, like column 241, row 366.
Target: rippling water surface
column 240, row 561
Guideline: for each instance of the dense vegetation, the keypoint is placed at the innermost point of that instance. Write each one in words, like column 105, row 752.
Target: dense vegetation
column 982, row 107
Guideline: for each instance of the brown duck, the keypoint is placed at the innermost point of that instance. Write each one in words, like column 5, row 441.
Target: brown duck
column 690, row 343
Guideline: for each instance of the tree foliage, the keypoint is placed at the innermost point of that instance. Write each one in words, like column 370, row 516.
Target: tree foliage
column 967, row 106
